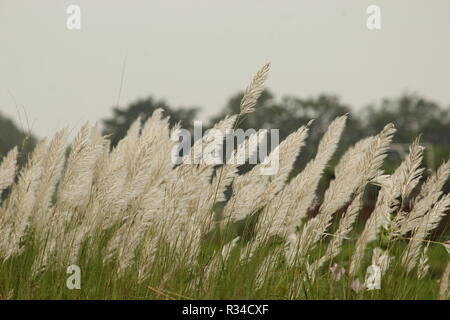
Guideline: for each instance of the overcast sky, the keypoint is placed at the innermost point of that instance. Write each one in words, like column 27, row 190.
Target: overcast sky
column 199, row 52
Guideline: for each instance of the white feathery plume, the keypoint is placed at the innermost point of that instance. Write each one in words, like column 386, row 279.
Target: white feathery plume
column 430, row 193
column 151, row 164
column 265, row 269
column 147, row 258
column 148, row 163
column 73, row 195
column 308, row 180
column 223, row 178
column 75, row 187
column 194, row 223
column 412, row 173
column 254, row 90
column 350, row 159
column 126, row 147
column 184, row 219
column 113, row 172
column 290, row 206
column 8, row 169
column 286, row 154
column 427, row 224
column 367, row 168
column 345, row 227
column 18, row 209
column 212, row 140
column 179, row 215
column 43, row 210
column 253, row 190
column 399, row 184
column 345, row 186
column 423, row 266
column 144, row 163
column 436, row 181
column 227, row 173
column 52, row 169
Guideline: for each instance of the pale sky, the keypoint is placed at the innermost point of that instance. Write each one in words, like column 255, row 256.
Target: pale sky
column 199, row 52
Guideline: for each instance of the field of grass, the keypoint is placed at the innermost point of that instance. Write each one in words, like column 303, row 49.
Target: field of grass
column 231, row 281
column 127, row 222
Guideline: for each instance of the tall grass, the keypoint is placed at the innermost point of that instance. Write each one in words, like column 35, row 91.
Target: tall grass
column 140, row 227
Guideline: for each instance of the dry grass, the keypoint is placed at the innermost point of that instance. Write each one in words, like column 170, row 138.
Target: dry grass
column 136, row 224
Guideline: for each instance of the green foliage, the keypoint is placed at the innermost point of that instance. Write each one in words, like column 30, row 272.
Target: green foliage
column 233, row 280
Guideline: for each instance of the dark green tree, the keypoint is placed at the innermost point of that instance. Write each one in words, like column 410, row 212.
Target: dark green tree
column 11, row 136
column 117, row 126
column 413, row 115
column 291, row 113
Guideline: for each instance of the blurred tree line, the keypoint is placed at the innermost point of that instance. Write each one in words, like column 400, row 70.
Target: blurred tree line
column 117, row 126
column 11, row 136
column 411, row 114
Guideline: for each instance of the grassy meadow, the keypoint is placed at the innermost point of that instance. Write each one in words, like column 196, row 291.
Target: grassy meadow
column 137, row 226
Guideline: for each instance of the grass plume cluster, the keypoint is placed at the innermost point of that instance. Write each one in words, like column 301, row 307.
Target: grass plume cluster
column 140, row 227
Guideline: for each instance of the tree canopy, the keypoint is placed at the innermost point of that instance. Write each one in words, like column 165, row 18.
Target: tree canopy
column 412, row 115
column 117, row 125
